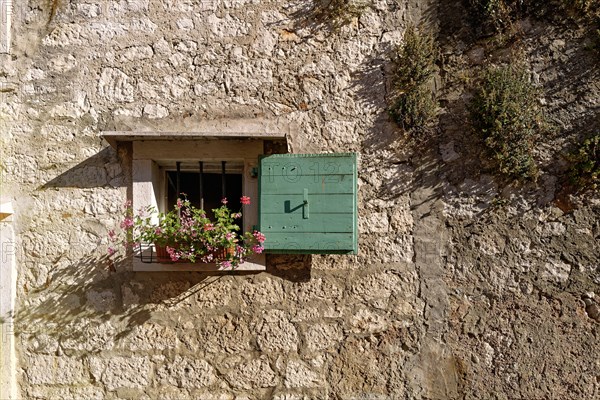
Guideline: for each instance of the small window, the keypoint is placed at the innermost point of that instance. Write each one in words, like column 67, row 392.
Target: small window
column 303, row 203
column 206, row 170
column 205, row 184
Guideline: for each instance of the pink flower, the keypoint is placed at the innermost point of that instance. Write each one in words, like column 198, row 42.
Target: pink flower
column 224, row 200
column 236, row 215
column 257, row 248
column 258, row 236
column 225, row 264
column 157, row 231
column 229, row 235
column 127, row 223
column 179, row 203
column 112, row 234
column 245, row 200
column 172, row 253
column 111, row 251
column 209, row 227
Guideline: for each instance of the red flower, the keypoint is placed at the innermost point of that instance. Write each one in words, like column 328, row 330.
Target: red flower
column 245, row 200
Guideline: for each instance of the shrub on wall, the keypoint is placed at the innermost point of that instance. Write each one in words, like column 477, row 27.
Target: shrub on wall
column 506, row 113
column 585, row 171
column 497, row 16
column 586, row 8
column 412, row 100
column 337, row 13
column 495, row 12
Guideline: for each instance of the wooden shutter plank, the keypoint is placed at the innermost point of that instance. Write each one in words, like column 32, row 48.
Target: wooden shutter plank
column 320, row 203
column 317, row 223
column 308, row 241
column 325, row 184
column 307, row 166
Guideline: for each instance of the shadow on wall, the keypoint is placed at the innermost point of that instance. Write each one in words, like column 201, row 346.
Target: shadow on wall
column 81, row 299
column 325, row 16
column 100, row 170
column 97, row 292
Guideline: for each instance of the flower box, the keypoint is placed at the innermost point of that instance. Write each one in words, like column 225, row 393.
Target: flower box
column 218, row 254
column 185, row 235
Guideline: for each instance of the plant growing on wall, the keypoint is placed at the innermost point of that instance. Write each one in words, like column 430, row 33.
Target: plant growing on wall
column 186, row 234
column 505, row 112
column 585, row 169
column 497, row 16
column 497, row 13
column 337, row 13
column 412, row 100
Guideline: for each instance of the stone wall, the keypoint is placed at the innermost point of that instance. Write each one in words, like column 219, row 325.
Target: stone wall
column 465, row 285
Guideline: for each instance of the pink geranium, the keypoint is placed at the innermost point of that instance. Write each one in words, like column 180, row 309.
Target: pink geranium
column 187, row 234
column 127, row 223
column 258, row 236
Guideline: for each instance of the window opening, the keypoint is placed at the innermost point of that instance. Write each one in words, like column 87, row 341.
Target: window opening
column 206, row 186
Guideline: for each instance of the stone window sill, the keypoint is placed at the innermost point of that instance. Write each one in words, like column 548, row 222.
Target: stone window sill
column 255, row 264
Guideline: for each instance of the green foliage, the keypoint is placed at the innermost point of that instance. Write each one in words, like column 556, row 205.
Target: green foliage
column 585, row 8
column 413, row 108
column 505, row 112
column 188, row 234
column 413, row 102
column 596, row 36
column 585, row 171
column 495, row 12
column 337, row 13
column 416, row 59
column 498, row 16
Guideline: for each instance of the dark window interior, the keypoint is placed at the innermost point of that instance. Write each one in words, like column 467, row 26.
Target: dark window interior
column 189, row 183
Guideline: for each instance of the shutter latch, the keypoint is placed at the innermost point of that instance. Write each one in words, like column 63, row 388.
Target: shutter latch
column 305, row 205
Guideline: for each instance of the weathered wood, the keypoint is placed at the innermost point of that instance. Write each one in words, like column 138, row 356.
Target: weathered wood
column 308, row 203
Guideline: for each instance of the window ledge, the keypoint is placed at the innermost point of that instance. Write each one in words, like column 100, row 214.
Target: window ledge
column 257, row 263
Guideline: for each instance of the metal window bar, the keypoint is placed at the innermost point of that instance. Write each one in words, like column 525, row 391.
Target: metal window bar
column 223, row 183
column 201, row 184
column 178, row 180
column 145, row 258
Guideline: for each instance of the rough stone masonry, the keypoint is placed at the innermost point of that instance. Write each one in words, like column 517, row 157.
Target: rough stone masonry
column 465, row 286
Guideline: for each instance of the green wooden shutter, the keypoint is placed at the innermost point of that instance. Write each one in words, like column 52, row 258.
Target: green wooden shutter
column 308, row 203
